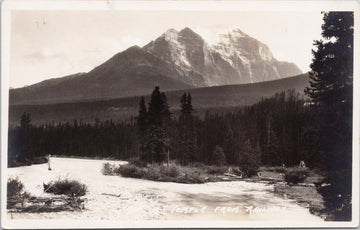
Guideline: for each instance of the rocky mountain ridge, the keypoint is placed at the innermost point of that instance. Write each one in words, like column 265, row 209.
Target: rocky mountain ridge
column 173, row 61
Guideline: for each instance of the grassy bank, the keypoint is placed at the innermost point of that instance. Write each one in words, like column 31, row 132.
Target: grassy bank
column 172, row 173
column 304, row 192
column 292, row 182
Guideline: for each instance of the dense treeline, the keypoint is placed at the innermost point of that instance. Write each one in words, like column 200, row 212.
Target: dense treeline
column 101, row 139
column 272, row 132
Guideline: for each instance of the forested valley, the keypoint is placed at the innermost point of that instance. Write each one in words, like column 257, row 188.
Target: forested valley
column 274, row 131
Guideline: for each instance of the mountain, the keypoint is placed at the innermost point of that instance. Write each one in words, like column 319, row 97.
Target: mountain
column 236, row 59
column 207, row 98
column 173, row 61
column 129, row 73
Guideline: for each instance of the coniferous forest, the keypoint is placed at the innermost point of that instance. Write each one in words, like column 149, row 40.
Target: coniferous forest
column 284, row 129
column 275, row 131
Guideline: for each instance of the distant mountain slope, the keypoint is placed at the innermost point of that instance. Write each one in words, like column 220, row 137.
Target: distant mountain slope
column 124, row 108
column 175, row 60
column 129, row 73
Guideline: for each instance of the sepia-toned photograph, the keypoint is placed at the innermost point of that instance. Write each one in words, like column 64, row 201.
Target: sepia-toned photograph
column 173, row 114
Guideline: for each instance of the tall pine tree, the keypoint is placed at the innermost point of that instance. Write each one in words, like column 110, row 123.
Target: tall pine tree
column 157, row 142
column 142, row 124
column 331, row 90
column 187, row 145
column 25, row 151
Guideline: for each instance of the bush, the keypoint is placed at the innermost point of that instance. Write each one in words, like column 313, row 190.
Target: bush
column 15, row 189
column 249, row 160
column 249, row 170
column 193, row 177
column 152, row 173
column 219, row 156
column 129, row 170
column 15, row 192
column 295, row 175
column 157, row 172
column 67, row 187
column 108, row 169
column 216, row 170
column 171, row 171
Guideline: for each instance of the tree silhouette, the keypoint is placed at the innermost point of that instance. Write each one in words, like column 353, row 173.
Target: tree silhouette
column 187, row 145
column 142, row 123
column 219, row 157
column 25, row 121
column 25, row 138
column 158, row 109
column 330, row 90
column 157, row 143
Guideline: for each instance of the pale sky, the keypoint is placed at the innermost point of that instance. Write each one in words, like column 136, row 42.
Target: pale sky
column 50, row 44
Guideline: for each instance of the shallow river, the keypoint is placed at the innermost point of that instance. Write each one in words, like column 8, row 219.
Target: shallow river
column 114, row 199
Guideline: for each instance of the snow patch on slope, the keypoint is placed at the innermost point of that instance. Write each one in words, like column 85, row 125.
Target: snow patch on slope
column 177, row 49
column 265, row 53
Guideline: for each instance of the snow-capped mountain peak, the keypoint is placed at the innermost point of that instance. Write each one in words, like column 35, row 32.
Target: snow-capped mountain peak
column 232, row 36
column 171, row 35
column 234, row 59
column 175, row 60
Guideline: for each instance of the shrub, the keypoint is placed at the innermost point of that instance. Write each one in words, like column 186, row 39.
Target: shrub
column 158, row 172
column 152, row 173
column 219, row 156
column 248, row 160
column 295, row 175
column 15, row 192
column 249, row 170
column 129, row 170
column 108, row 169
column 237, row 172
column 215, row 170
column 71, row 188
column 249, row 165
column 15, row 189
column 192, row 177
column 171, row 171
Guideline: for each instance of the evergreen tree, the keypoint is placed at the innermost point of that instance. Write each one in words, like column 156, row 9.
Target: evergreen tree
column 25, row 138
column 25, row 121
column 272, row 145
column 142, row 123
column 219, row 156
column 158, row 110
column 249, row 159
column 331, row 90
column 157, row 142
column 231, row 144
column 187, row 145
column 155, row 145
